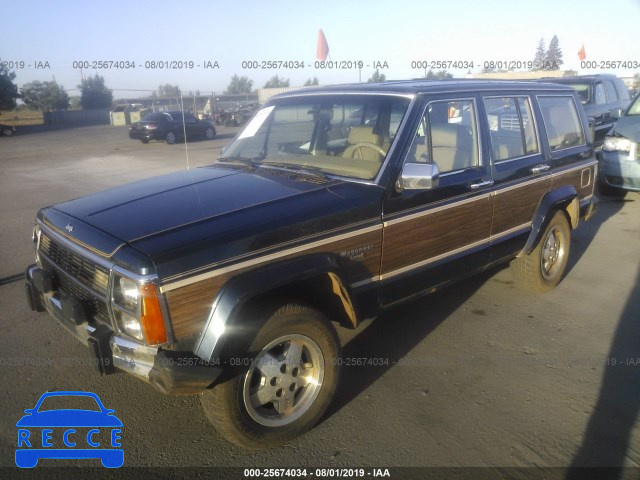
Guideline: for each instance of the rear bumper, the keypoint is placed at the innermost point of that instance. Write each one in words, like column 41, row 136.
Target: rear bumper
column 169, row 372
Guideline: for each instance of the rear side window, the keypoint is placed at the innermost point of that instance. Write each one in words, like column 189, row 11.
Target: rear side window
column 612, row 96
column 511, row 127
column 561, row 122
column 599, row 95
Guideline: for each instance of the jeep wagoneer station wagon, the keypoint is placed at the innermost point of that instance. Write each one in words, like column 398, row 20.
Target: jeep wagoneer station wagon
column 330, row 205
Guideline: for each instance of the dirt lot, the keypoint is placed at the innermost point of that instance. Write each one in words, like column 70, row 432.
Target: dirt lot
column 480, row 374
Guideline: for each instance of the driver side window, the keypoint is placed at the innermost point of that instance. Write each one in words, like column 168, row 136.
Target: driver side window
column 447, row 135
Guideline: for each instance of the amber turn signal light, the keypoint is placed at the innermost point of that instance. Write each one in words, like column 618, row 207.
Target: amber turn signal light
column 151, row 316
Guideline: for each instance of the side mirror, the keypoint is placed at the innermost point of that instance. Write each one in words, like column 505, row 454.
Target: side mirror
column 617, row 113
column 419, row 176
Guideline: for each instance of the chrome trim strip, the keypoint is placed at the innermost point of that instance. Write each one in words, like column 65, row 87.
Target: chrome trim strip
column 76, row 247
column 434, row 210
column 89, row 248
column 586, row 164
column 516, row 184
column 413, row 266
column 265, row 258
column 523, row 227
column 367, row 281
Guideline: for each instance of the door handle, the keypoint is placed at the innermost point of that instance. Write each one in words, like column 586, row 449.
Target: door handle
column 476, row 186
column 539, row 169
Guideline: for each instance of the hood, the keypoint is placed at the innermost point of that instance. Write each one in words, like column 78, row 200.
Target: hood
column 629, row 127
column 142, row 209
column 185, row 220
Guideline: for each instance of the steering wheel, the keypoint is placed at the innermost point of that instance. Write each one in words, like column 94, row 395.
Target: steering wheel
column 359, row 146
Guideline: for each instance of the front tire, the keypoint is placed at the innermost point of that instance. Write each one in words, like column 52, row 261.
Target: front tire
column 543, row 268
column 210, row 133
column 288, row 386
column 7, row 132
column 170, row 138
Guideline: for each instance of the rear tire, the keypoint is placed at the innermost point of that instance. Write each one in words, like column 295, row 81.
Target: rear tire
column 170, row 138
column 7, row 132
column 543, row 268
column 210, row 133
column 287, row 387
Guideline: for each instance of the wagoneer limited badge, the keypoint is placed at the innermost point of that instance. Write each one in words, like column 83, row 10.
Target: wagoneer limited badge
column 69, row 228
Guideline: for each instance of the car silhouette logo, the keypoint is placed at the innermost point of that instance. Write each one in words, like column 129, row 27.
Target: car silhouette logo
column 69, row 433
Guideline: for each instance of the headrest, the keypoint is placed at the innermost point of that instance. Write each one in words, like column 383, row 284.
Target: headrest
column 364, row 134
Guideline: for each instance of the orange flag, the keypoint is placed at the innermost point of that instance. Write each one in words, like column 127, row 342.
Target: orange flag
column 322, row 50
column 581, row 54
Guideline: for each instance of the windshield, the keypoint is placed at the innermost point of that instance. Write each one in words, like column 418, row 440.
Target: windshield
column 345, row 135
column 584, row 91
column 634, row 109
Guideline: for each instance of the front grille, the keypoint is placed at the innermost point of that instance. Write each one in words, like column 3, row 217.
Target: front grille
column 77, row 276
column 88, row 273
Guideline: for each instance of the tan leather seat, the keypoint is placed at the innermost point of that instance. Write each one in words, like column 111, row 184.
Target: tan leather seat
column 359, row 135
column 452, row 147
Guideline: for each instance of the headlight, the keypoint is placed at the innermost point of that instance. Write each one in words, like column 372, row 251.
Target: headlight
column 616, row 144
column 137, row 311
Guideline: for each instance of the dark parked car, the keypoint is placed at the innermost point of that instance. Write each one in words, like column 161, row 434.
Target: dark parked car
column 169, row 127
column 241, row 115
column 226, row 280
column 620, row 155
column 601, row 96
column 7, row 130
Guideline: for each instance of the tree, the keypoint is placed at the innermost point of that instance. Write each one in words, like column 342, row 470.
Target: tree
column 44, row 96
column 8, row 90
column 94, row 93
column 239, row 85
column 439, row 75
column 310, row 83
column 277, row 82
column 377, row 77
column 540, row 57
column 554, row 55
column 167, row 90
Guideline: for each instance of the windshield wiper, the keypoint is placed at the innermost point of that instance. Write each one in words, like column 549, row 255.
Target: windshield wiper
column 249, row 162
column 305, row 170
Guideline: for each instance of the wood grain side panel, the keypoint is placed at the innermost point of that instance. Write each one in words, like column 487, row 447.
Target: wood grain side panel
column 418, row 239
column 190, row 305
column 582, row 180
column 515, row 207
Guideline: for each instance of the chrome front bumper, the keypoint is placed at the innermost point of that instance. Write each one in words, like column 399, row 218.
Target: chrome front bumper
column 170, row 372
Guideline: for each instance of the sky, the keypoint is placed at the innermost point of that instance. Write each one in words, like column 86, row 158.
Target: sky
column 232, row 32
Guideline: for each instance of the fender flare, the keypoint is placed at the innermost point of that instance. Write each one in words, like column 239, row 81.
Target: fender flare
column 562, row 198
column 241, row 288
